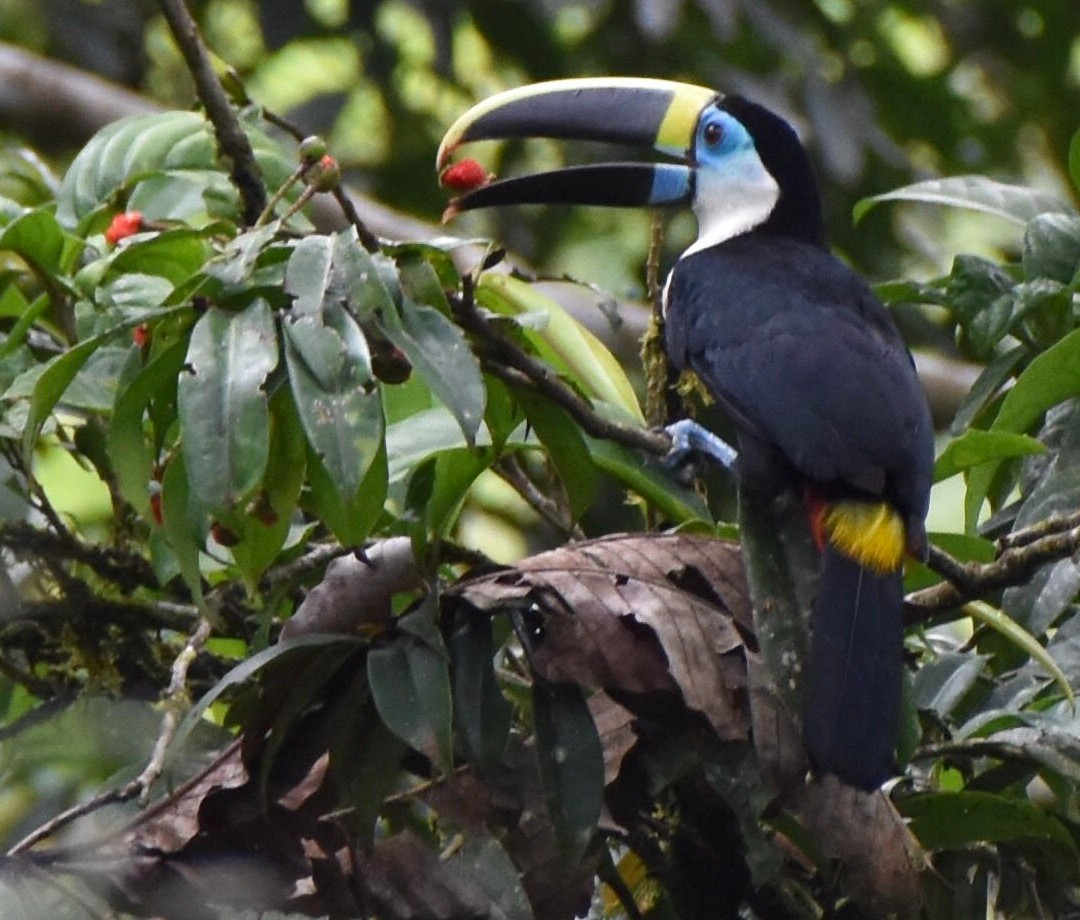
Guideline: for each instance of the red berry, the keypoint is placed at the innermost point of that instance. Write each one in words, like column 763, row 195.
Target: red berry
column 140, row 335
column 464, row 176
column 123, row 225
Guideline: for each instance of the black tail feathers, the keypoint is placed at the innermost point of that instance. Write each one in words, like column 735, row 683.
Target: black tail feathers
column 852, row 704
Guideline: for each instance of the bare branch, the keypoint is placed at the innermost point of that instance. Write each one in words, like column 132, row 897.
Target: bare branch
column 1021, row 555
column 234, row 143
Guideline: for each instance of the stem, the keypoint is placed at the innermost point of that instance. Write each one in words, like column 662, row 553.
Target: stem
column 232, row 141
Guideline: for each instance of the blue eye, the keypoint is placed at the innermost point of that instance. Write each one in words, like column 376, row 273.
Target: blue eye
column 714, row 133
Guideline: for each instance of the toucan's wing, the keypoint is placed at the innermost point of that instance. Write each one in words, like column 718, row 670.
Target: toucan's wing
column 804, row 356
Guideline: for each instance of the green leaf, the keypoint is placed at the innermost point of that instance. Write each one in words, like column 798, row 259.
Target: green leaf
column 262, row 530
column 983, row 390
column 1016, row 203
column 163, row 145
column 222, row 406
column 451, row 476
column 439, row 353
column 572, row 345
column 563, row 440
column 357, row 280
column 251, row 666
column 977, row 446
column 36, row 237
column 414, row 439
column 175, row 255
column 131, row 457
column 182, row 533
column 961, row 819
column 365, row 758
column 649, row 479
column 339, row 404
column 410, row 684
column 1021, row 638
column 54, row 381
column 571, row 762
column 351, row 521
column 941, row 684
column 1052, row 247
column 483, row 715
column 308, row 274
column 1051, row 377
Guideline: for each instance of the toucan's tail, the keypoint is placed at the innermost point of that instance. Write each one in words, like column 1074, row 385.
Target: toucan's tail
column 853, row 684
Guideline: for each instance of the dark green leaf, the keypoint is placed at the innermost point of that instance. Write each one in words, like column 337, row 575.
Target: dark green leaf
column 339, row 404
column 173, row 254
column 365, row 758
column 264, row 526
column 54, row 381
column 356, row 280
column 410, row 684
column 163, row 148
column 453, row 474
column 1052, row 247
column 351, row 521
column 130, row 454
column 1051, row 378
column 185, row 535
column 649, row 479
column 438, row 352
column 941, row 684
column 483, row 715
column 988, row 383
column 222, row 406
column 414, row 439
column 962, row 819
column 250, row 666
column 566, row 446
column 571, row 762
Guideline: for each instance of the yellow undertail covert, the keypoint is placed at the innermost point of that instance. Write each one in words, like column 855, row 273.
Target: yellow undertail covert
column 871, row 533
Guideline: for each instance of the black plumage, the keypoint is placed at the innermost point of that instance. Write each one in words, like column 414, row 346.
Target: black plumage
column 812, row 370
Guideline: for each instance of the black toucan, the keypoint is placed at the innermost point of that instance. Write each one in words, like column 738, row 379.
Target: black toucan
column 793, row 345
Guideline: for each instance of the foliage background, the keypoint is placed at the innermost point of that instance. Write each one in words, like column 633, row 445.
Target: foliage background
column 885, row 93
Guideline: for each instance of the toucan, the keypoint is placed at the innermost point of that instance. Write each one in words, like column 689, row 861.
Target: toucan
column 792, row 344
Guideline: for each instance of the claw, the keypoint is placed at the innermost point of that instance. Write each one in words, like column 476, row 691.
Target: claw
column 688, row 437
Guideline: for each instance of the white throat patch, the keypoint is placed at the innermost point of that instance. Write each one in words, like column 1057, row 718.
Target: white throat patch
column 733, row 200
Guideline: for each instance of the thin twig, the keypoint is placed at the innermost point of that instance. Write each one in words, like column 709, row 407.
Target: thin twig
column 175, row 699
column 233, row 142
column 556, row 513
column 176, row 703
column 109, row 797
column 299, row 568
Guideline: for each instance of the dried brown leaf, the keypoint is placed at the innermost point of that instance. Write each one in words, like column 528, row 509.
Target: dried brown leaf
column 878, row 856
column 638, row 613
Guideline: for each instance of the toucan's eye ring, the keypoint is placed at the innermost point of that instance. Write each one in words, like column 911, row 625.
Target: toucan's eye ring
column 714, row 133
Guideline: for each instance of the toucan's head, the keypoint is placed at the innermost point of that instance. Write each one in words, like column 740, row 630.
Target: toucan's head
column 740, row 166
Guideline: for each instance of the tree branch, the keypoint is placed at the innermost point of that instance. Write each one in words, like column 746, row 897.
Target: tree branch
column 232, row 140
column 126, row 570
column 1020, row 555
column 513, row 365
